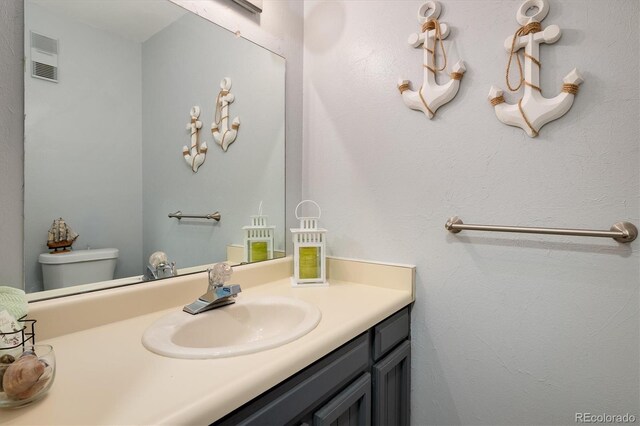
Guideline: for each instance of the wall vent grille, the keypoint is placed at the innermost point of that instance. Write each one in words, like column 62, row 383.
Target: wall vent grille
column 44, row 57
column 45, row 71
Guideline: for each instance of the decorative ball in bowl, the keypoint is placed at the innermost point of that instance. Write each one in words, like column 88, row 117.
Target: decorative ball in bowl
column 26, row 376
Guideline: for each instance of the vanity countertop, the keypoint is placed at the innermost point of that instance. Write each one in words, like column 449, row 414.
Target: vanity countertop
column 105, row 375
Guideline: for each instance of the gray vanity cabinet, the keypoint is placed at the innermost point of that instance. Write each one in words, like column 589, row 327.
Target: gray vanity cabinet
column 363, row 382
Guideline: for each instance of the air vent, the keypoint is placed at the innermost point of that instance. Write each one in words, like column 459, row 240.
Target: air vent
column 44, row 57
column 45, row 71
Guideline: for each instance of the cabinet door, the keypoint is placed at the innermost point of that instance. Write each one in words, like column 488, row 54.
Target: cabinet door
column 351, row 407
column 391, row 384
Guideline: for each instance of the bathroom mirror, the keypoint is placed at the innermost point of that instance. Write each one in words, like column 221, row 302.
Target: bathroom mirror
column 109, row 87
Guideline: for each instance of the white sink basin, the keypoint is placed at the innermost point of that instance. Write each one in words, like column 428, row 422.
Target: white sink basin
column 249, row 325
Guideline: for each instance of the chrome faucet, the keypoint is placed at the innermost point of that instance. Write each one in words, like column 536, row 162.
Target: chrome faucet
column 163, row 270
column 217, row 294
column 159, row 267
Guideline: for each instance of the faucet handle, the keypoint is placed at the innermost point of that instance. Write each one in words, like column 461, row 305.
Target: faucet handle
column 157, row 258
column 219, row 274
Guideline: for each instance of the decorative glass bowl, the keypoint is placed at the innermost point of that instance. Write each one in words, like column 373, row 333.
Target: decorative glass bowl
column 27, row 375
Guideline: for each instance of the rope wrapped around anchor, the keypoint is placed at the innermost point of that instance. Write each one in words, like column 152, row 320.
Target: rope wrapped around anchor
column 218, row 118
column 433, row 24
column 532, row 27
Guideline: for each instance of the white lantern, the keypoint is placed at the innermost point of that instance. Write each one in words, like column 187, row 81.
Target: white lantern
column 258, row 238
column 309, row 253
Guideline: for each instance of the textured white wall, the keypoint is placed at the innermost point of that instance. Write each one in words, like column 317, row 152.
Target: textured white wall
column 83, row 150
column 11, row 136
column 507, row 329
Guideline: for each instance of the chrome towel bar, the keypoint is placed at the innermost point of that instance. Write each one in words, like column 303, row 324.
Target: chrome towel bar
column 623, row 232
column 179, row 215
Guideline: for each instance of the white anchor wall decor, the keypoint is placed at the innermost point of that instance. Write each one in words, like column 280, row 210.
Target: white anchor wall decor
column 219, row 128
column 533, row 110
column 431, row 96
column 195, row 155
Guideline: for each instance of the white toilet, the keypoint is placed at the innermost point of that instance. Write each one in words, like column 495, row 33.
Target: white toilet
column 77, row 267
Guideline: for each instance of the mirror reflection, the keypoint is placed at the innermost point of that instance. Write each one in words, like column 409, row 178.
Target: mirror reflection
column 129, row 107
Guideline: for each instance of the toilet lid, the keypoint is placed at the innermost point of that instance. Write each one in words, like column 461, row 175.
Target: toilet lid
column 76, row 256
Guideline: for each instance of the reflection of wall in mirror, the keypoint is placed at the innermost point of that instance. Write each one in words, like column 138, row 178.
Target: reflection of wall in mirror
column 279, row 29
column 88, row 122
column 182, row 66
column 100, row 144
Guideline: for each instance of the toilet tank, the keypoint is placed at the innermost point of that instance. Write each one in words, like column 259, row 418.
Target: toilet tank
column 77, row 267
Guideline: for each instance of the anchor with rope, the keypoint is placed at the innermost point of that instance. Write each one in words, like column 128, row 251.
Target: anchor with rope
column 532, row 110
column 431, row 95
column 220, row 128
column 195, row 155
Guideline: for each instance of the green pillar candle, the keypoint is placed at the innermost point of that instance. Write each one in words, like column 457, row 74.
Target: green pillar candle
column 309, row 262
column 259, row 251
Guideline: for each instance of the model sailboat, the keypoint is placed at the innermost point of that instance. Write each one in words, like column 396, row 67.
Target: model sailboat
column 61, row 236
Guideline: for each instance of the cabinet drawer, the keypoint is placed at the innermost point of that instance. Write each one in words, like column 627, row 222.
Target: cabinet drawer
column 390, row 332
